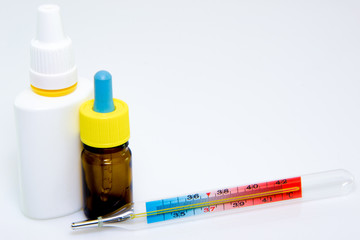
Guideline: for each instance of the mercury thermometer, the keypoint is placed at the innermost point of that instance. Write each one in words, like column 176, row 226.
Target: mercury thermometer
column 216, row 202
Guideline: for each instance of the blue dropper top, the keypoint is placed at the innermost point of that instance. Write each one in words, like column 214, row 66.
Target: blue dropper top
column 103, row 102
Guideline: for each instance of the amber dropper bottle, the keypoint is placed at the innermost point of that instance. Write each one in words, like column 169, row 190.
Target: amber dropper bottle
column 106, row 158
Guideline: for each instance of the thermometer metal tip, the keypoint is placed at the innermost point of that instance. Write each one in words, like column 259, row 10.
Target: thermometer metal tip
column 85, row 224
column 110, row 219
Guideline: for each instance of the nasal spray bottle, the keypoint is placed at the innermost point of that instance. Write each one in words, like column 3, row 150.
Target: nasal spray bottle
column 47, row 122
column 106, row 158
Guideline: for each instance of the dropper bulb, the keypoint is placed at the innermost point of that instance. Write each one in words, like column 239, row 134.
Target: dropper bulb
column 103, row 102
column 49, row 24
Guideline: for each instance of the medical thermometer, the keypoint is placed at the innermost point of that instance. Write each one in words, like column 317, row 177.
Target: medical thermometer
column 216, row 202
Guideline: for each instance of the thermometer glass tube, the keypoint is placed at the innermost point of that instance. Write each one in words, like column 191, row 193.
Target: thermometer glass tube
column 226, row 200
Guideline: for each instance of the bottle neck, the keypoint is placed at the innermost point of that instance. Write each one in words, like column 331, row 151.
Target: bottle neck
column 54, row 93
column 106, row 150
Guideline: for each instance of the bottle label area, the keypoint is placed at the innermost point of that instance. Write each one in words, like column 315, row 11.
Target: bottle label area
column 223, row 199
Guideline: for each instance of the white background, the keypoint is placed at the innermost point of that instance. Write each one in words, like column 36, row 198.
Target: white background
column 221, row 93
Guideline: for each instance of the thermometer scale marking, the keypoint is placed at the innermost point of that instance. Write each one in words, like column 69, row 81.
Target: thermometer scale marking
column 222, row 200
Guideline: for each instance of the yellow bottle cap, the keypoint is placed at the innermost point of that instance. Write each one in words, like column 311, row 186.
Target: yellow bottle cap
column 104, row 130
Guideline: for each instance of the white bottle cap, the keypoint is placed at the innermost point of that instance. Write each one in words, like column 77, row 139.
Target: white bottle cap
column 52, row 64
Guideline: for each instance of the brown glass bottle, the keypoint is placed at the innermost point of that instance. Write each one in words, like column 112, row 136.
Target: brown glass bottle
column 107, row 179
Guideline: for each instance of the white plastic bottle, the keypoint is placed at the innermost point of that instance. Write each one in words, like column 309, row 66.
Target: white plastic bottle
column 47, row 123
